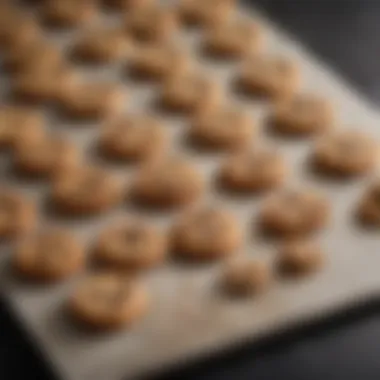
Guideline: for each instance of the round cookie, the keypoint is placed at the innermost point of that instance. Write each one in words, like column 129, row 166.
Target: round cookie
column 251, row 171
column 127, row 5
column 242, row 276
column 41, row 56
column 205, row 234
column 346, row 153
column 44, row 156
column 369, row 205
column 294, row 212
column 68, row 13
column 299, row 257
column 189, row 92
column 101, row 45
column 151, row 24
column 17, row 122
column 131, row 244
column 50, row 256
column 224, row 128
column 167, row 183
column 108, row 301
column 302, row 115
column 92, row 100
column 235, row 39
column 17, row 214
column 206, row 12
column 85, row 190
column 269, row 76
column 33, row 87
column 157, row 61
column 133, row 138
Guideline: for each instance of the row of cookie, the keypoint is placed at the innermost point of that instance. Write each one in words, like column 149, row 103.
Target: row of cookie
column 56, row 255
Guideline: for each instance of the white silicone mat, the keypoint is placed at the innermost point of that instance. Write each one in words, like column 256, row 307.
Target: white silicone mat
column 188, row 316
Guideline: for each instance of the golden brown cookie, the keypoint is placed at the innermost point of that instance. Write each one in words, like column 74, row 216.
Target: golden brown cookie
column 17, row 214
column 92, row 100
column 206, row 233
column 346, row 153
column 133, row 138
column 242, row 276
column 41, row 56
column 151, row 24
column 50, row 256
column 68, row 13
column 303, row 115
column 167, row 182
column 85, row 190
column 224, row 128
column 39, row 86
column 189, row 92
column 127, row 5
column 131, row 244
column 369, row 205
column 269, row 76
column 157, row 61
column 234, row 39
column 254, row 170
column 108, row 301
column 19, row 123
column 45, row 155
column 206, row 12
column 294, row 212
column 299, row 257
column 101, row 45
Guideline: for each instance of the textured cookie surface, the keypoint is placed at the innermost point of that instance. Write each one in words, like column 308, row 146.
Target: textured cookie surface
column 108, row 301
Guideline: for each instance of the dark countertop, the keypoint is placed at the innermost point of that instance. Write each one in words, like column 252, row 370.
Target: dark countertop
column 345, row 34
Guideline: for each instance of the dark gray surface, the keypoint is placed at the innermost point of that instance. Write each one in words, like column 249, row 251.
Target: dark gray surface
column 345, row 34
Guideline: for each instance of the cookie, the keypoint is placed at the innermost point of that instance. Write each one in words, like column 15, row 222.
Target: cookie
column 244, row 276
column 85, row 190
column 39, row 86
column 158, row 61
column 151, row 24
column 253, row 170
column 133, row 138
column 224, row 128
column 268, row 76
column 294, row 212
column 92, row 100
column 101, row 45
column 303, row 115
column 299, row 257
column 369, row 205
column 167, row 183
column 19, row 123
column 189, row 92
column 127, row 5
column 108, row 301
column 131, row 244
column 49, row 256
column 206, row 12
column 346, row 153
column 17, row 214
column 231, row 40
column 41, row 56
column 44, row 156
column 68, row 13
column 206, row 233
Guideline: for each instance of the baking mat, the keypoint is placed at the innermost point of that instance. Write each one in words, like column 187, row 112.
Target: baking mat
column 188, row 316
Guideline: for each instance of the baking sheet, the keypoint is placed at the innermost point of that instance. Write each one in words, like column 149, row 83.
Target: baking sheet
column 188, row 316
